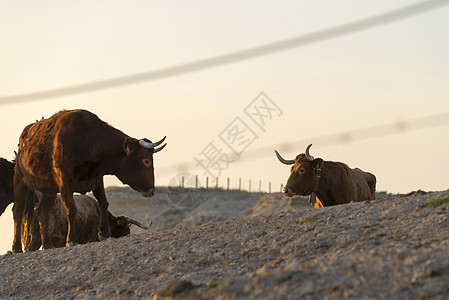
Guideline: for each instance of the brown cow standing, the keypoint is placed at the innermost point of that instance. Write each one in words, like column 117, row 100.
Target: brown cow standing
column 71, row 152
column 333, row 182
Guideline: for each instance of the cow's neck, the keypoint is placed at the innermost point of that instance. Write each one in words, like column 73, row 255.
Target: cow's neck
column 113, row 155
column 322, row 190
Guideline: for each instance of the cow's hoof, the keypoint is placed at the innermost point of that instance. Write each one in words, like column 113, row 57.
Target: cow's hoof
column 16, row 247
column 71, row 244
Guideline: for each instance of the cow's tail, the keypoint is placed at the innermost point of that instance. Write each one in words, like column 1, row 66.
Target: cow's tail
column 31, row 236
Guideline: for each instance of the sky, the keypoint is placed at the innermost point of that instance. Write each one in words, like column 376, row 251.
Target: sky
column 316, row 93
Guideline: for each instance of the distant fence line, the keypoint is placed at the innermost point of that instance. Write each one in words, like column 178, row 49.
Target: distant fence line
column 251, row 186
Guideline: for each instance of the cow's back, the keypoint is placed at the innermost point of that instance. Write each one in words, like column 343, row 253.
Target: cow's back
column 36, row 146
column 61, row 139
column 365, row 183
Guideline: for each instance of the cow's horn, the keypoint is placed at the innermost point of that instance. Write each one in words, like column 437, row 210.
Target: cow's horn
column 308, row 156
column 149, row 145
column 137, row 223
column 156, row 150
column 283, row 160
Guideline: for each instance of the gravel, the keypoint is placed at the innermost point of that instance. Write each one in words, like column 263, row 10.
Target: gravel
column 390, row 248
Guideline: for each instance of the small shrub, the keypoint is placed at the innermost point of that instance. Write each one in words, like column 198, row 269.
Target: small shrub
column 436, row 202
column 307, row 220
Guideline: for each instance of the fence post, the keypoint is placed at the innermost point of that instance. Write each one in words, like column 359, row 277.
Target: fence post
column 260, row 186
column 269, row 187
column 196, row 181
column 250, row 185
column 282, row 187
column 240, row 184
column 207, row 183
column 182, row 182
column 227, row 188
column 216, row 186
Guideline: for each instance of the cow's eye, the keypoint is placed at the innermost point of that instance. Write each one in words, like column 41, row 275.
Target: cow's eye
column 146, row 162
column 301, row 171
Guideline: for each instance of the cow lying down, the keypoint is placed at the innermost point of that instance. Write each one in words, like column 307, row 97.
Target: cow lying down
column 86, row 224
column 332, row 182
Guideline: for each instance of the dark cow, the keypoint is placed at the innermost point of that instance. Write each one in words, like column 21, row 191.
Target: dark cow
column 86, row 224
column 71, row 152
column 6, row 184
column 333, row 182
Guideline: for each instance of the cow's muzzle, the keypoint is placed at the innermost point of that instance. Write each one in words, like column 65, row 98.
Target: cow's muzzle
column 148, row 193
column 288, row 192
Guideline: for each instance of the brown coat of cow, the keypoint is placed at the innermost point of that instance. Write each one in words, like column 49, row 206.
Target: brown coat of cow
column 71, row 152
column 86, row 224
column 333, row 182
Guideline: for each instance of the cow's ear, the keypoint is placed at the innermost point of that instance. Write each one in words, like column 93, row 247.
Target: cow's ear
column 318, row 163
column 130, row 145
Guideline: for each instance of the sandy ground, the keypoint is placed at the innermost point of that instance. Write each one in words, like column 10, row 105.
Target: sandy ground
column 232, row 245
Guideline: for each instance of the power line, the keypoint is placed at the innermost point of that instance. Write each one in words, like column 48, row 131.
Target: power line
column 299, row 41
column 343, row 137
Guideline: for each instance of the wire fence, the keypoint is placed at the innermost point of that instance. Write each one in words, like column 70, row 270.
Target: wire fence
column 226, row 183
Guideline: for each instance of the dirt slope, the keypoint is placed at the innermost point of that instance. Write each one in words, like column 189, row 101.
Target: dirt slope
column 390, row 248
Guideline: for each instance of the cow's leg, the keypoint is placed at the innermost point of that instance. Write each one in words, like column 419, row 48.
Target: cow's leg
column 31, row 234
column 21, row 192
column 32, row 240
column 43, row 214
column 69, row 203
column 104, row 231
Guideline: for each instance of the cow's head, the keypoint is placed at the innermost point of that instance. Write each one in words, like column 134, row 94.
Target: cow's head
column 136, row 168
column 6, row 184
column 120, row 227
column 302, row 174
